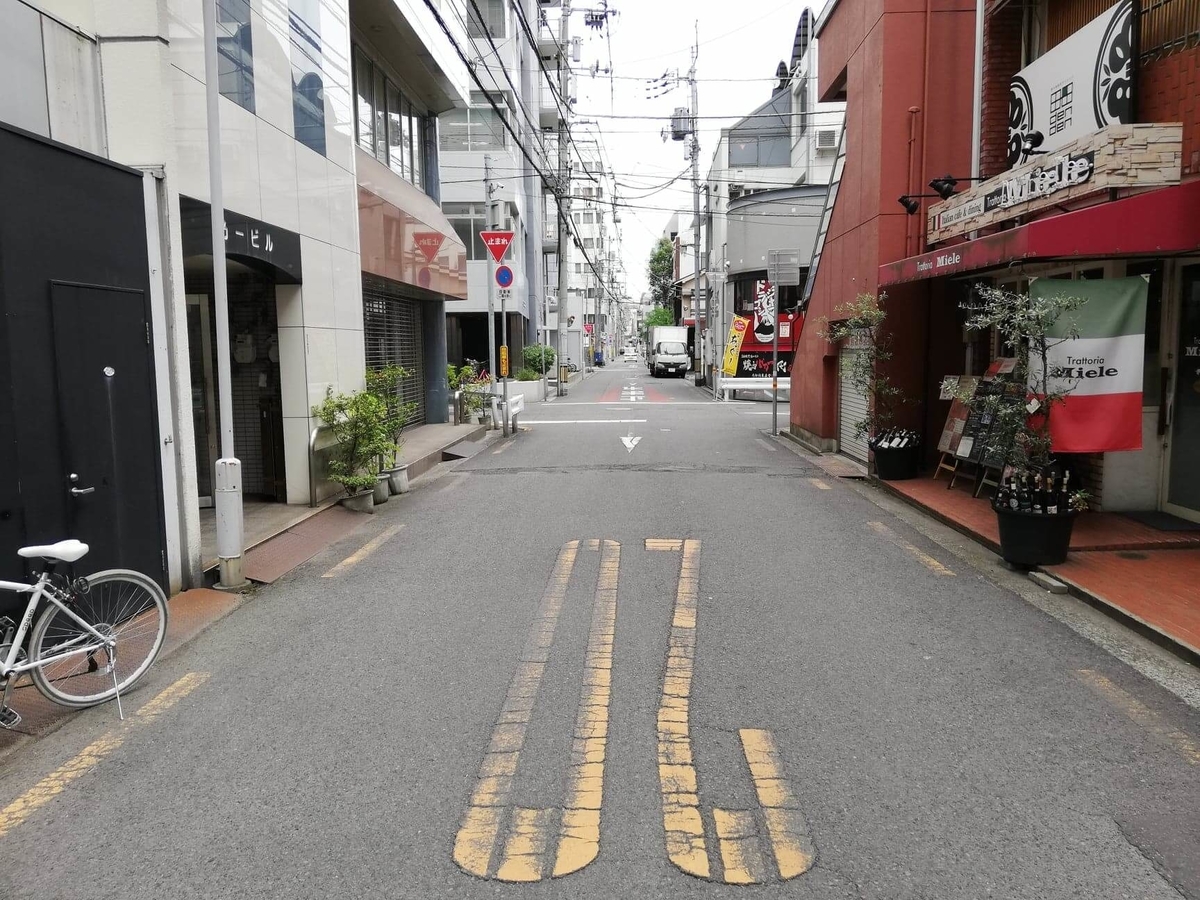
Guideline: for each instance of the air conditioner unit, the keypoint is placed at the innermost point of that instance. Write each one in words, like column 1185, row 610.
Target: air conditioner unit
column 827, row 139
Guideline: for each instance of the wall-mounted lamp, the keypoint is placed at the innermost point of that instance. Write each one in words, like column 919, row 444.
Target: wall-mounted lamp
column 910, row 202
column 947, row 183
column 1032, row 141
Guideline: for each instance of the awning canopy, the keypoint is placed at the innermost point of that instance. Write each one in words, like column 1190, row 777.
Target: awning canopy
column 1163, row 222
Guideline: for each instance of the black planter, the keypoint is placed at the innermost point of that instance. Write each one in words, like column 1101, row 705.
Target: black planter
column 897, row 463
column 1031, row 539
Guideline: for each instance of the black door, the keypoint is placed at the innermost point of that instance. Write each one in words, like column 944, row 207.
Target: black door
column 108, row 427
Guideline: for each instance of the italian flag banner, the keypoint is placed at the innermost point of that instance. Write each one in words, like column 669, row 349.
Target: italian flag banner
column 1102, row 368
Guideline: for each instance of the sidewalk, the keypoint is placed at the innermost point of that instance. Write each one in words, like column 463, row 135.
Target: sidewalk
column 1147, row 574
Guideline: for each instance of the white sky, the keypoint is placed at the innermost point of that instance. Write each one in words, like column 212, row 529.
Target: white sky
column 739, row 41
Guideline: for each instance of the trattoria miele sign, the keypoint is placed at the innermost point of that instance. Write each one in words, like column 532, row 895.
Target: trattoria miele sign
column 1119, row 156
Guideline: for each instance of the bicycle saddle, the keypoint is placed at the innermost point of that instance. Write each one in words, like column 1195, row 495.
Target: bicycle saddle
column 63, row 551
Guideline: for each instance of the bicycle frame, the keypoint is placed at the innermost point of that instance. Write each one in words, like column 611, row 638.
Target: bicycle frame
column 43, row 588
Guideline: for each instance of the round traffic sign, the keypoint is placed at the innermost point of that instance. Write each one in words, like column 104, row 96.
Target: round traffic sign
column 424, row 277
column 504, row 276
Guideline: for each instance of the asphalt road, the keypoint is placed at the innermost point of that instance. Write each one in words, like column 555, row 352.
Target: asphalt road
column 654, row 671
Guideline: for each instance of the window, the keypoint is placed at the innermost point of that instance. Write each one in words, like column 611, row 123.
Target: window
column 308, row 89
column 235, row 53
column 476, row 128
column 802, row 115
column 387, row 124
column 578, row 268
column 494, row 18
column 469, row 219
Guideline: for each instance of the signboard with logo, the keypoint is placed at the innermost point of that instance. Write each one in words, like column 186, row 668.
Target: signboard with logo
column 1118, row 156
column 733, row 346
column 1082, row 85
column 1101, row 368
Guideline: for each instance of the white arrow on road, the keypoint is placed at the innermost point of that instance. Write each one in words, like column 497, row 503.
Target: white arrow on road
column 630, row 442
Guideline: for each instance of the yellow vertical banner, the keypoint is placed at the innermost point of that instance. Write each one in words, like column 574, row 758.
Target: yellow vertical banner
column 733, row 346
column 503, row 360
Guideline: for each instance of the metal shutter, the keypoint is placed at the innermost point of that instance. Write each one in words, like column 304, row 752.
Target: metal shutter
column 393, row 335
column 852, row 408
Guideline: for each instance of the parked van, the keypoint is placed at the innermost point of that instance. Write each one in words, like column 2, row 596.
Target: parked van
column 668, row 351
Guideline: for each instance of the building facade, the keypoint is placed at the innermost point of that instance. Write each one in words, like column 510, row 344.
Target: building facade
column 326, row 185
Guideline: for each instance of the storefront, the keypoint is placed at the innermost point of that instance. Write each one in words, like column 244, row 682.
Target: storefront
column 1156, row 235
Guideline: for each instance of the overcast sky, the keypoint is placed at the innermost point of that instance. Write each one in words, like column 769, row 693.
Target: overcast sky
column 740, row 46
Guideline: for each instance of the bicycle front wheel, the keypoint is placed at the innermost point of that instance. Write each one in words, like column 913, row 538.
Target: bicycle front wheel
column 123, row 605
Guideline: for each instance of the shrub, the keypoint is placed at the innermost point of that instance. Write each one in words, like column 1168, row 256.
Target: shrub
column 358, row 422
column 528, row 374
column 384, row 383
column 532, row 357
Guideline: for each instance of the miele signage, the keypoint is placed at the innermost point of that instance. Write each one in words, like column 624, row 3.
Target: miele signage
column 1118, row 156
column 1082, row 85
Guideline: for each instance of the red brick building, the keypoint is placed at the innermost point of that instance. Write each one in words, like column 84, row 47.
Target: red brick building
column 1052, row 80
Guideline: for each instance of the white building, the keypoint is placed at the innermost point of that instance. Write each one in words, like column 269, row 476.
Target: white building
column 339, row 256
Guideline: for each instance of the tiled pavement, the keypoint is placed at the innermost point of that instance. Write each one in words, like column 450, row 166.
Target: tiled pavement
column 1152, row 576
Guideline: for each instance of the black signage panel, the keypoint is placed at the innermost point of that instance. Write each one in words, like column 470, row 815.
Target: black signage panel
column 246, row 240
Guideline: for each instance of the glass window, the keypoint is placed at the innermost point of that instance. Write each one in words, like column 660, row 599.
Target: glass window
column 235, row 53
column 364, row 95
column 418, row 166
column 395, row 134
column 308, row 94
column 454, row 130
column 487, row 129
column 406, row 136
column 468, row 220
column 380, row 149
column 494, row 15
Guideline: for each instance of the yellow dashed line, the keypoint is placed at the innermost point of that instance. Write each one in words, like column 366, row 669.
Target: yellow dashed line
column 737, row 835
column 663, row 544
column 525, row 851
column 819, row 484
column 92, row 755
column 923, row 558
column 1142, row 714
column 363, row 552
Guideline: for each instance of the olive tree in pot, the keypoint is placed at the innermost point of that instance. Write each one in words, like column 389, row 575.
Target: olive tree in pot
column 357, row 422
column 859, row 326
column 1035, row 505
column 385, row 383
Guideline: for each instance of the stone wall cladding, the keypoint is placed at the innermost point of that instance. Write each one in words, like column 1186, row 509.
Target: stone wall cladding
column 1125, row 156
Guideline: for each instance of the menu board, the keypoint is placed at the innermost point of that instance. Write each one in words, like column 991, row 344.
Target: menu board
column 968, row 424
column 957, row 419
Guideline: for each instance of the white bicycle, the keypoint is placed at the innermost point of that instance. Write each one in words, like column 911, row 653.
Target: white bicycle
column 95, row 638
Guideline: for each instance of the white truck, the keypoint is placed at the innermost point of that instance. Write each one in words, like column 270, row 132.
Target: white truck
column 666, row 352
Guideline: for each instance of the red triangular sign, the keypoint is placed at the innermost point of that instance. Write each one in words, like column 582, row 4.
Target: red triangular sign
column 497, row 242
column 429, row 243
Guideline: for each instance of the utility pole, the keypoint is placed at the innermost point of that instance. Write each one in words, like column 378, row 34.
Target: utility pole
column 564, row 185
column 696, row 294
column 228, row 474
column 492, row 225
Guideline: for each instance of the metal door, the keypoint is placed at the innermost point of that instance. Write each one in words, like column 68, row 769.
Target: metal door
column 107, row 422
column 852, row 408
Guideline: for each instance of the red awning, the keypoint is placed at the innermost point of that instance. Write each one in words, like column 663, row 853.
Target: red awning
column 1163, row 222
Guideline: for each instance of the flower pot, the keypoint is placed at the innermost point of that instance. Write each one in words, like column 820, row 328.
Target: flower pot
column 382, row 491
column 897, row 463
column 363, row 501
column 398, row 480
column 1033, row 539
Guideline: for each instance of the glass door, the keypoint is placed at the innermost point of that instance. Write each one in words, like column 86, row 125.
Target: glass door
column 1183, row 489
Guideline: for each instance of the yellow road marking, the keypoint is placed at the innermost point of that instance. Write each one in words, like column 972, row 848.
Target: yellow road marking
column 738, row 834
column 526, row 847
column 789, row 836
column 502, row 448
column 682, row 821
column 1142, row 714
column 818, row 483
column 92, row 755
column 923, row 558
column 363, row 552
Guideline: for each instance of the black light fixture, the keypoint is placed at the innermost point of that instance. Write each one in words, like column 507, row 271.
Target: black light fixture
column 947, row 183
column 1031, row 142
column 910, row 203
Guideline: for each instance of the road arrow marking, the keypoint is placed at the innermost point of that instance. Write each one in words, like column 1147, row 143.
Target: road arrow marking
column 630, row 442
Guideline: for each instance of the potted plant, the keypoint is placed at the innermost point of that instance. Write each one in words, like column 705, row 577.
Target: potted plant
column 897, row 452
column 357, row 422
column 1039, row 498
column 474, row 384
column 385, row 383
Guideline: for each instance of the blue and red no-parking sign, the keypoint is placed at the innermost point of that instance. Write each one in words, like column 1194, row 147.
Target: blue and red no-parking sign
column 504, row 276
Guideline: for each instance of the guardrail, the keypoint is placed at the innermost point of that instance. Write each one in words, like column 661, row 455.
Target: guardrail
column 730, row 386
